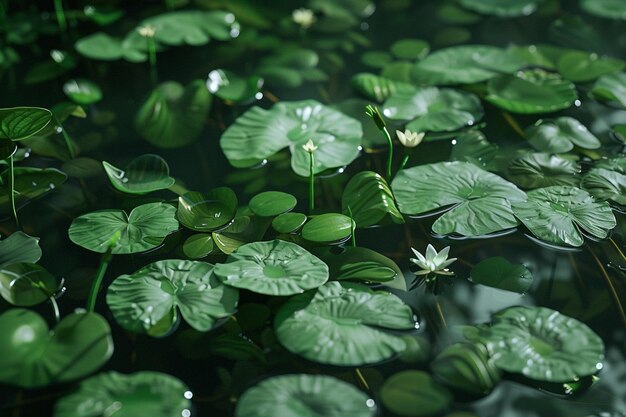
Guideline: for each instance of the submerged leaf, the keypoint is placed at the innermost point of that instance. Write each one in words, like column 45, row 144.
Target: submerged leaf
column 535, row 170
column 414, row 394
column 498, row 272
column 142, row 175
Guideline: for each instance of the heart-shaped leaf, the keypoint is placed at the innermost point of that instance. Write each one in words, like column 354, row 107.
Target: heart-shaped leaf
column 19, row 247
column 370, row 200
column 606, row 184
column 560, row 135
column 205, row 212
column 535, row 170
column 26, row 284
column 498, row 272
column 17, row 123
column 30, row 183
column 142, row 175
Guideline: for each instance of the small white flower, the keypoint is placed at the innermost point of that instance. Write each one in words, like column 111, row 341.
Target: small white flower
column 433, row 262
column 410, row 139
column 147, row 31
column 309, row 146
column 303, row 17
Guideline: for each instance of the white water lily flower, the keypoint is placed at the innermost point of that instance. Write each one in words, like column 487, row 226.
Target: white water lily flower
column 433, row 262
column 147, row 31
column 309, row 146
column 303, row 17
column 410, row 139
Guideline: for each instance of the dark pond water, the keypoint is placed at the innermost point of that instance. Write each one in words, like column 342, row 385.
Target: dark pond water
column 587, row 282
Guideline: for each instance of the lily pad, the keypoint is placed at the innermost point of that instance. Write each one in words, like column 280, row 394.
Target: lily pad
column 148, row 300
column 341, row 324
column 35, row 356
column 17, row 123
column 502, row 8
column 259, row 134
column 148, row 393
column 375, row 87
column 606, row 185
column 30, row 183
column 301, row 395
column 498, row 272
column 328, row 227
column 465, row 64
column 579, row 66
column 542, row 344
column 433, row 109
column 143, row 229
column 273, row 268
column 230, row 87
column 142, row 175
column 173, row 115
column 557, row 214
column 610, row 9
column 19, row 247
column 83, row 92
column 289, row 68
column 414, row 394
column 205, row 212
column 289, row 222
column 103, row 47
column 560, row 135
column 376, row 59
column 611, row 88
column 192, row 27
column 370, row 200
column 476, row 202
column 531, row 92
column 272, row 203
column 410, row 49
column 535, row 170
column 198, row 246
column 26, row 284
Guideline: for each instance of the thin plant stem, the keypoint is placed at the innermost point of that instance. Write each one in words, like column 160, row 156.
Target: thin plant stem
column 440, row 313
column 60, row 13
column 405, row 160
column 611, row 287
column 361, row 378
column 55, row 308
column 152, row 58
column 177, row 188
column 12, row 193
column 97, row 282
column 617, row 248
column 311, row 183
column 390, row 157
column 66, row 139
column 513, row 123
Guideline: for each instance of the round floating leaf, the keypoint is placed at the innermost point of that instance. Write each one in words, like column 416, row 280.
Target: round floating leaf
column 502, row 8
column 610, row 9
column 19, row 247
column 143, row 229
column 173, row 115
column 611, row 88
column 144, row 393
column 542, row 344
column 304, row 395
column 375, row 87
column 579, row 66
column 17, row 123
column 368, row 196
column 555, row 214
column 465, row 65
column 535, row 170
column 273, row 268
column 560, row 135
column 7, row 148
column 103, row 47
column 81, row 91
column 466, row 368
column 498, row 272
column 289, row 222
column 343, row 325
column 205, row 212
column 272, row 203
column 26, row 284
column 192, row 27
column 147, row 300
column 398, row 71
column 142, row 175
column 606, row 185
column 376, row 59
column 231, row 87
column 35, row 356
column 479, row 202
column 531, row 92
column 289, row 68
column 30, row 183
column 433, row 109
column 259, row 134
column 329, row 227
column 198, row 246
column 410, row 49
column 414, row 394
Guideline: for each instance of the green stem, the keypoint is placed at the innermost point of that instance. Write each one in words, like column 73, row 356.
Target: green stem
column 12, row 193
column 152, row 57
column 405, row 160
column 58, row 9
column 177, row 188
column 311, row 184
column 97, row 282
column 55, row 308
column 353, row 237
column 66, row 138
column 390, row 157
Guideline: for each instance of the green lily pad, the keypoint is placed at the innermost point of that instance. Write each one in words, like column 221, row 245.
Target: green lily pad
column 433, row 109
column 301, row 395
column 192, row 27
column 19, row 247
column 142, row 175
column 143, row 229
column 329, row 227
column 542, row 344
column 344, row 325
column 531, row 92
column 556, row 215
column 579, row 66
column 148, row 393
column 498, row 272
column 26, row 284
column 535, row 170
column 368, row 196
column 560, row 135
column 289, row 222
column 376, row 59
column 17, row 123
column 30, row 183
column 205, row 212
column 375, row 87
column 473, row 147
column 259, row 134
column 35, row 356
column 289, row 68
column 502, row 8
column 606, row 185
column 83, row 92
column 617, row 163
column 102, row 47
column 173, row 115
column 465, row 64
column 410, row 49
column 477, row 202
column 198, row 246
column 148, row 300
column 230, row 87
column 611, row 88
column 273, row 268
column 610, row 9
column 414, row 394
column 272, row 203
